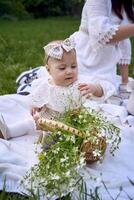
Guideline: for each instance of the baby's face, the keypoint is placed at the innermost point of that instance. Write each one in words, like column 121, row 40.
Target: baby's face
column 64, row 72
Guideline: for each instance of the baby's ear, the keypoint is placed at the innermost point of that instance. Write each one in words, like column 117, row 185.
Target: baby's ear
column 47, row 67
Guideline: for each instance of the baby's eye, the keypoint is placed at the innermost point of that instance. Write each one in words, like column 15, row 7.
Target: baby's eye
column 73, row 66
column 62, row 68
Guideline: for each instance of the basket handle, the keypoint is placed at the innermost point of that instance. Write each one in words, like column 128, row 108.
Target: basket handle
column 50, row 125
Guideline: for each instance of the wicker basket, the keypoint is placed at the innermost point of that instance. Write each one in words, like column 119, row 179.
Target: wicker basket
column 87, row 147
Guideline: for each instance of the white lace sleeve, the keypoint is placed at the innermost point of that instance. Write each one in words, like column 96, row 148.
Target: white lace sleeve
column 125, row 49
column 39, row 94
column 108, row 90
column 100, row 27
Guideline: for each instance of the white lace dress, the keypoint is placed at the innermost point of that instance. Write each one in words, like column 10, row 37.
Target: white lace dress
column 98, row 25
column 16, row 109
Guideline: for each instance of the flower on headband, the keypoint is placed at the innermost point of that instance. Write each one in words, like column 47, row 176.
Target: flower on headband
column 56, row 49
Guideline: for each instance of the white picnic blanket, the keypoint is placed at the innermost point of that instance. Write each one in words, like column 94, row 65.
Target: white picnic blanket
column 18, row 155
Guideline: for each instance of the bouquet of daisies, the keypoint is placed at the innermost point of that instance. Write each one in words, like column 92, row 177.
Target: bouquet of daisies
column 70, row 141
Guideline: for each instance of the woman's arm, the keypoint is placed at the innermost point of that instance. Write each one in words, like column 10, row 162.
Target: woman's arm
column 124, row 73
column 123, row 32
column 101, row 29
column 125, row 59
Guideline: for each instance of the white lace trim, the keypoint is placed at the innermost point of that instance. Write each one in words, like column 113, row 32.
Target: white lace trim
column 124, row 61
column 105, row 37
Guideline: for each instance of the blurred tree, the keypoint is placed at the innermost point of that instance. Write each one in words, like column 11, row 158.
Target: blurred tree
column 43, row 8
column 12, row 9
column 40, row 8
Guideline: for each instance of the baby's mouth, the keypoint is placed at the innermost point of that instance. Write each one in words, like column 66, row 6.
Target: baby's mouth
column 68, row 78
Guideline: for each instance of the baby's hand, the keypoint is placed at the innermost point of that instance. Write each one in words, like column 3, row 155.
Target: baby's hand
column 36, row 118
column 35, row 110
column 87, row 90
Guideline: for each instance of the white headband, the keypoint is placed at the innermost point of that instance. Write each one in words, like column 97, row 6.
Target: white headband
column 56, row 49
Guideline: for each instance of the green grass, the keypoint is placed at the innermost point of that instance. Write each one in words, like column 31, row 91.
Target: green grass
column 15, row 196
column 131, row 69
column 21, row 45
column 12, row 196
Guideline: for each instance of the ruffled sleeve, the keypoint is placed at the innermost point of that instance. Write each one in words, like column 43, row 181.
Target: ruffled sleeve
column 125, row 50
column 39, row 93
column 100, row 27
column 108, row 89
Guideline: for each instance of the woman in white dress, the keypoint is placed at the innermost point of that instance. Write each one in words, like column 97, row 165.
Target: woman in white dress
column 101, row 41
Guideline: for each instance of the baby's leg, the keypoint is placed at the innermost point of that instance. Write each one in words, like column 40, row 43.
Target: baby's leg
column 20, row 128
column 17, row 129
column 15, row 117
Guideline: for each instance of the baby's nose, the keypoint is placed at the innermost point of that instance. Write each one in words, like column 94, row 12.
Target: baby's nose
column 69, row 70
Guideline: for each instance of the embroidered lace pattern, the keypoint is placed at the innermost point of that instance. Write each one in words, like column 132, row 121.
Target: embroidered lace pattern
column 105, row 37
column 124, row 61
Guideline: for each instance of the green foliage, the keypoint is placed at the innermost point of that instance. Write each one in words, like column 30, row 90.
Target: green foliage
column 12, row 9
column 43, row 8
column 20, row 9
